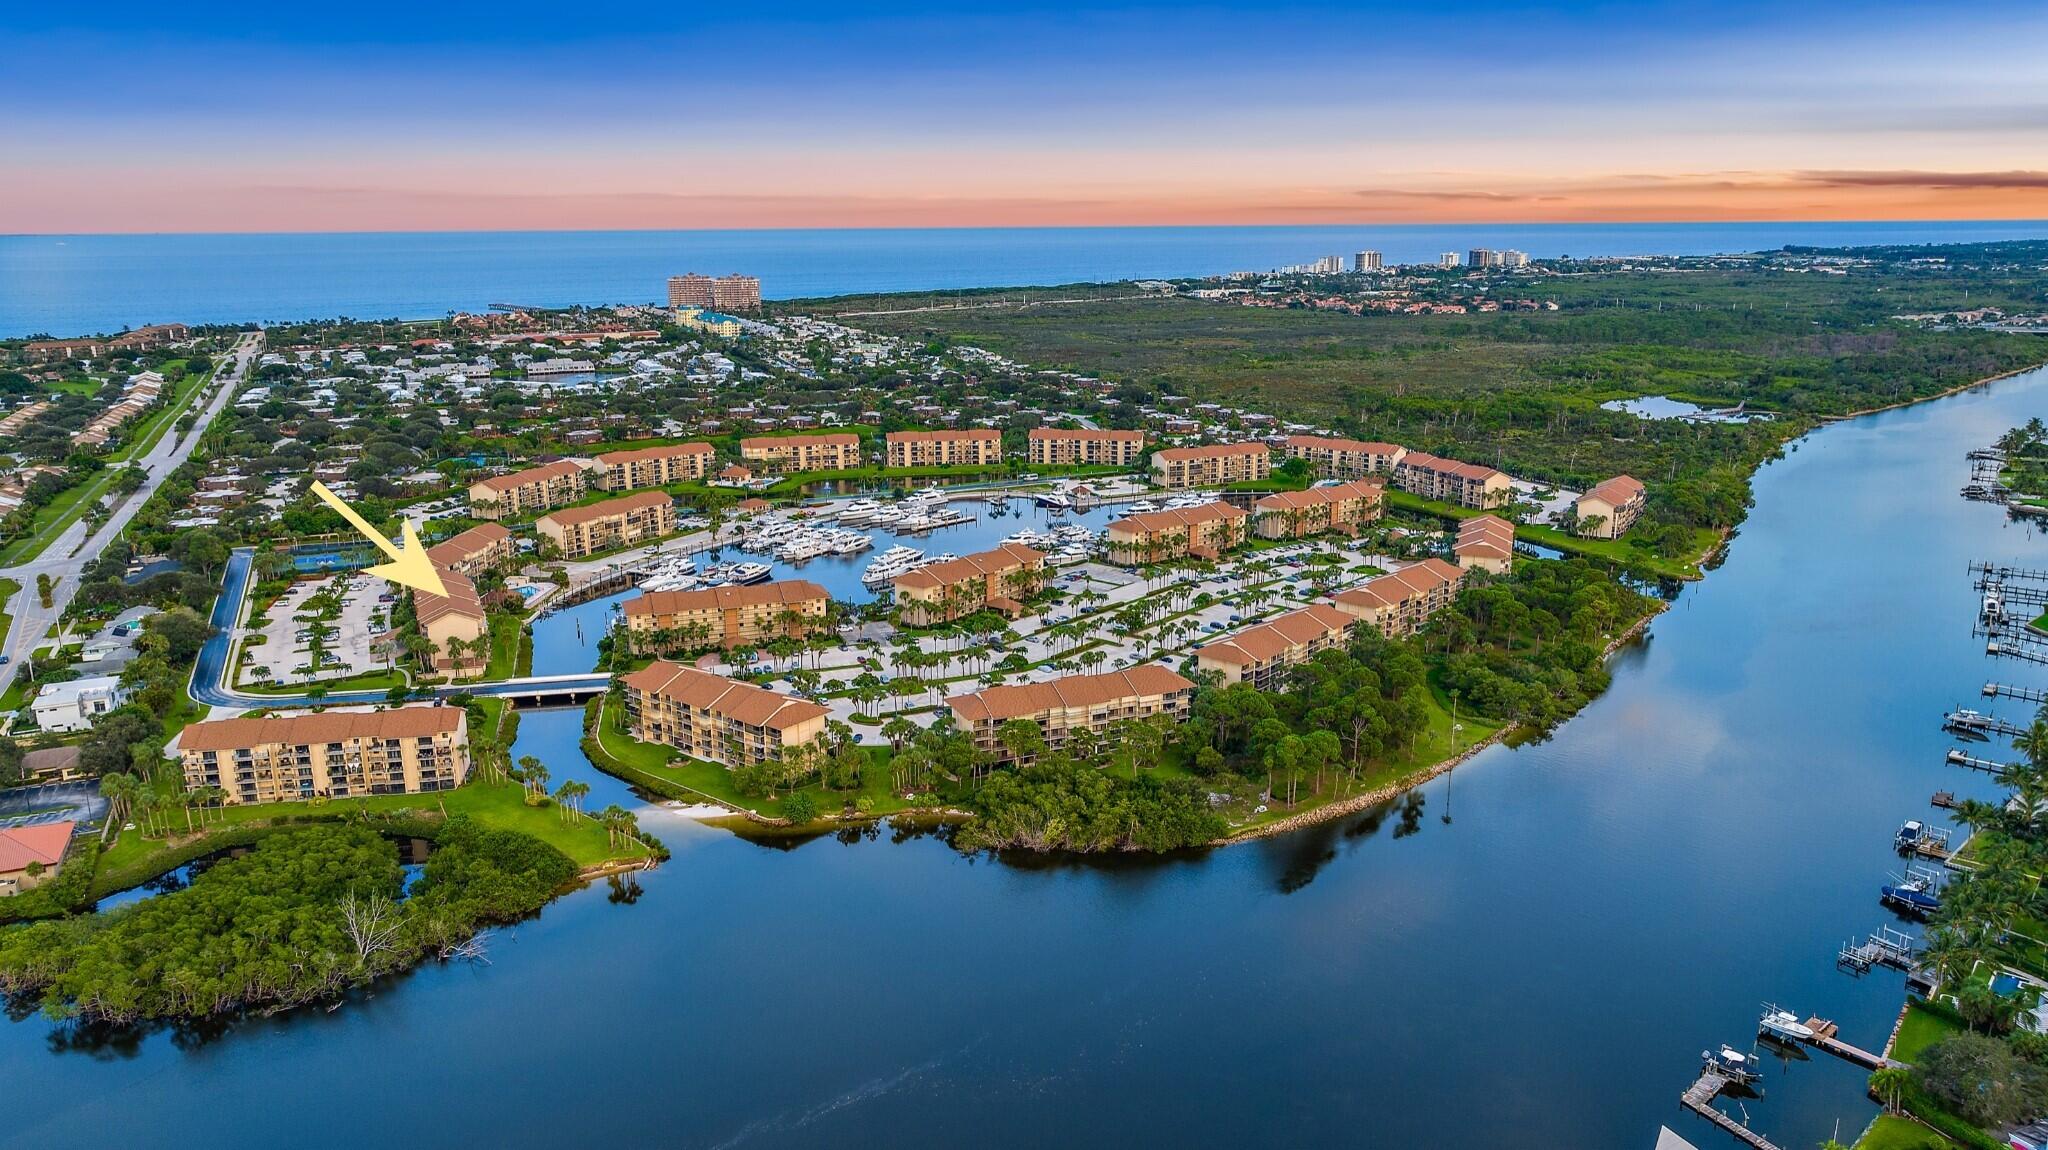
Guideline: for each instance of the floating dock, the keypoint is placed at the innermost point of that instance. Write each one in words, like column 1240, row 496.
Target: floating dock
column 1946, row 800
column 1699, row 1098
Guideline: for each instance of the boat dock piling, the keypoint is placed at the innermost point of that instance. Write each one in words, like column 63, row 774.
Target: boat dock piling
column 1957, row 758
column 2023, row 694
column 1699, row 1098
column 2002, row 573
column 1974, row 723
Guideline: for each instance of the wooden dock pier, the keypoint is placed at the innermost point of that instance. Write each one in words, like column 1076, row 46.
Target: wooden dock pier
column 1946, row 800
column 1824, row 1038
column 2023, row 694
column 2006, row 574
column 1699, row 1098
column 1958, row 758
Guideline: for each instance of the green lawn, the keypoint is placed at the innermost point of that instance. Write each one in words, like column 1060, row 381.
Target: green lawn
column 1621, row 551
column 134, row 859
column 663, row 770
column 1890, row 1133
column 367, row 681
column 1924, row 1026
column 7, row 589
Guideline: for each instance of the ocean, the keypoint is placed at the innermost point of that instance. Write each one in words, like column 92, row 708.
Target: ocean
column 75, row 285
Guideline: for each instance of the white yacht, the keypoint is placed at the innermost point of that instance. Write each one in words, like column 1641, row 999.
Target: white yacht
column 1142, row 506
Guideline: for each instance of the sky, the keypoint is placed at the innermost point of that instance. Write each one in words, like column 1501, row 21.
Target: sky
column 129, row 117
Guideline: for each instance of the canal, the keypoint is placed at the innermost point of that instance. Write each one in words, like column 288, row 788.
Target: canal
column 1530, row 952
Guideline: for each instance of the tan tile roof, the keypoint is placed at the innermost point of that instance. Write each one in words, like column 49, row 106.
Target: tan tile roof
column 1150, row 521
column 1272, row 639
column 457, row 548
column 1018, row 702
column 976, row 433
column 559, row 469
column 1616, row 491
column 1316, row 496
column 1423, row 461
column 328, row 727
column 786, row 591
column 1324, row 443
column 842, row 439
column 20, row 846
column 742, row 702
column 980, row 565
column 461, row 599
column 1393, row 587
column 570, row 516
column 621, row 458
column 1213, row 451
column 1487, row 535
column 1104, row 434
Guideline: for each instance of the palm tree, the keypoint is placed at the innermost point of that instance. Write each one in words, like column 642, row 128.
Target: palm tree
column 1889, row 1084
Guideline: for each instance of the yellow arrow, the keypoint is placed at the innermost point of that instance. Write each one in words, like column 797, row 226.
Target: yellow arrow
column 409, row 565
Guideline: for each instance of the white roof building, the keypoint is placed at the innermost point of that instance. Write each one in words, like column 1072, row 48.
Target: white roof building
column 74, row 705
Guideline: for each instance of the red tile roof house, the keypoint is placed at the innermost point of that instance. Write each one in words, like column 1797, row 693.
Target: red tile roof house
column 24, row 849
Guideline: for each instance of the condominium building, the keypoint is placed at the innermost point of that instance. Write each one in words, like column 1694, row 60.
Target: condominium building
column 977, row 447
column 836, row 452
column 475, row 551
column 534, row 489
column 1367, row 261
column 337, row 754
column 1399, row 603
column 1485, row 543
column 994, row 579
column 1344, row 458
column 717, row 719
column 1449, row 481
column 726, row 293
column 1483, row 258
column 725, row 616
column 1611, row 507
column 580, row 531
column 1072, row 703
column 1261, row 655
column 1060, row 447
column 654, row 466
column 1212, row 465
column 1447, row 260
column 1204, row 532
column 456, row 624
column 1339, row 507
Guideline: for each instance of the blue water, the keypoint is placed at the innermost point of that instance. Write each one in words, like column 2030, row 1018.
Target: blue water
column 66, row 285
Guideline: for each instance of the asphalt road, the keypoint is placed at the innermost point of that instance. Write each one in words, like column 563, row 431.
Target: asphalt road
column 64, row 559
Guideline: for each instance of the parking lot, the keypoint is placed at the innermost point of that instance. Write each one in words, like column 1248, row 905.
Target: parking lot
column 286, row 652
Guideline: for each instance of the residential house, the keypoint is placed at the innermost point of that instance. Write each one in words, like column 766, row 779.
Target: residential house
column 1611, row 507
column 1262, row 654
column 979, row 447
column 409, row 750
column 76, row 704
column 1205, row 532
column 1211, row 466
column 1400, row 602
column 717, row 719
column 580, row 531
column 1059, row 447
column 1342, row 507
column 1071, row 703
column 31, row 856
column 839, row 451
column 725, row 616
column 655, row 466
column 994, row 579
column 534, row 489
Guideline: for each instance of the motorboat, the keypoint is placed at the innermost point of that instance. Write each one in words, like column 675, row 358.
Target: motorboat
column 1055, row 500
column 1911, row 897
column 743, row 573
column 1784, row 1025
column 1731, row 1064
column 1142, row 506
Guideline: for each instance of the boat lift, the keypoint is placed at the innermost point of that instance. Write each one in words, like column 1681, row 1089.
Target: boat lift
column 1890, row 947
column 1957, row 757
column 1964, row 721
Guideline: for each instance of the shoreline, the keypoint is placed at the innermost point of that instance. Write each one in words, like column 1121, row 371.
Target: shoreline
column 1956, row 390
column 1360, row 802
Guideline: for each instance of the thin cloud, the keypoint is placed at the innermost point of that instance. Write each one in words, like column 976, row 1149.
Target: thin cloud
column 1911, row 179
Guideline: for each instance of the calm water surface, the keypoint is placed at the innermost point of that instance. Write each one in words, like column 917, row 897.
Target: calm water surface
column 1539, row 971
column 69, row 285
